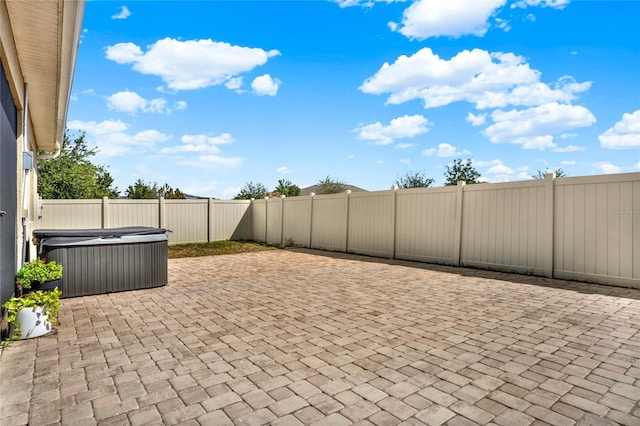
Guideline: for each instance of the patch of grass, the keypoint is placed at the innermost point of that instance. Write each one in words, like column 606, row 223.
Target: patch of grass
column 216, row 248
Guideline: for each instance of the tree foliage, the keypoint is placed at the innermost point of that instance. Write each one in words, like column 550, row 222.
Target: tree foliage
column 72, row 175
column 413, row 180
column 286, row 188
column 252, row 190
column 331, row 186
column 143, row 190
column 558, row 172
column 461, row 171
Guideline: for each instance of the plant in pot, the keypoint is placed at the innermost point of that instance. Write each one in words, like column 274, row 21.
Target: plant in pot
column 33, row 314
column 39, row 275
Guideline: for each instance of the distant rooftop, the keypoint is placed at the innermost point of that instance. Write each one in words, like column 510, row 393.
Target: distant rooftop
column 314, row 188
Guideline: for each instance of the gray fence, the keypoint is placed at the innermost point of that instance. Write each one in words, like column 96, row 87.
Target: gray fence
column 585, row 228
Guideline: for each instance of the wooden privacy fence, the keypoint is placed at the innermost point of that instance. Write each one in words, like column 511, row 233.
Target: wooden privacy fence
column 585, row 228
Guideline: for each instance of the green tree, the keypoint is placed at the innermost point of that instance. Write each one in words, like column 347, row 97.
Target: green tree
column 330, row 186
column 171, row 194
column 143, row 190
column 72, row 175
column 286, row 188
column 558, row 172
column 461, row 171
column 252, row 190
column 413, row 180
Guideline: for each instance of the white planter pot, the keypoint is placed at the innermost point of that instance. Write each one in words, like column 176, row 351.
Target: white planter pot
column 33, row 322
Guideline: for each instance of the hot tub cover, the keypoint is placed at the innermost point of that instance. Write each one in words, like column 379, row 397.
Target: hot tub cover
column 128, row 234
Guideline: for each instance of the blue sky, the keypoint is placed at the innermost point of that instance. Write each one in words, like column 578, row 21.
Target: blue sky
column 208, row 95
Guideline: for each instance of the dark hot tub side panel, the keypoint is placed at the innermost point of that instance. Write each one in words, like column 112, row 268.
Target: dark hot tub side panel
column 105, row 265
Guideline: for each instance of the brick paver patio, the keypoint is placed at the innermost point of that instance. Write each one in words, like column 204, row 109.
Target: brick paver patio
column 301, row 337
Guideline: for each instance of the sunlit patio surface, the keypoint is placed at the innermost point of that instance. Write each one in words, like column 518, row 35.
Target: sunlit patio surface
column 297, row 337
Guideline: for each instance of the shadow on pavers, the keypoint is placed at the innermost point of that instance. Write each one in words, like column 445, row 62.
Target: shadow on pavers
column 467, row 271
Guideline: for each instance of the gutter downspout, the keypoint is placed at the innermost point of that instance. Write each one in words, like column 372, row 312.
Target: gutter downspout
column 25, row 187
column 54, row 154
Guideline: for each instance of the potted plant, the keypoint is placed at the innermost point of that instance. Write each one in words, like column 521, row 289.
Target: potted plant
column 33, row 314
column 39, row 275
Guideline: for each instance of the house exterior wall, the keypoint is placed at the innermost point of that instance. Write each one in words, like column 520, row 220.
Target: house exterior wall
column 8, row 189
column 38, row 46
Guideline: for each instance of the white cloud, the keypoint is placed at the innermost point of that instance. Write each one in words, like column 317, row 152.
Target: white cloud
column 534, row 128
column 200, row 143
column 565, row 136
column 265, row 85
column 180, row 106
column 482, row 163
column 476, row 120
column 485, row 79
column 124, row 13
column 444, row 150
column 211, row 161
column 405, row 160
column 190, row 64
column 503, row 24
column 568, row 163
column 569, row 148
column 523, row 172
column 406, row 126
column 607, row 167
column 363, row 3
column 234, row 83
column 283, row 170
column 452, row 18
column 124, row 53
column 131, row 102
column 624, row 134
column 202, row 189
column 206, row 149
column 556, row 4
column 637, row 166
column 110, row 138
column 404, row 145
column 500, row 169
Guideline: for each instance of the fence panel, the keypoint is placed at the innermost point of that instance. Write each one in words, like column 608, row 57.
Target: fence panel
column 132, row 212
column 71, row 214
column 426, row 224
column 597, row 224
column 585, row 228
column 329, row 226
column 297, row 220
column 274, row 221
column 187, row 219
column 503, row 226
column 259, row 220
column 371, row 223
column 230, row 220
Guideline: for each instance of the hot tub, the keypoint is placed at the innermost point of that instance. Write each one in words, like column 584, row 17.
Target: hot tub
column 98, row 261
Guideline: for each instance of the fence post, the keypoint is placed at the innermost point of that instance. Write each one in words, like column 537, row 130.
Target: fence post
column 548, row 223
column 266, row 219
column 282, row 197
column 346, row 227
column 161, row 212
column 394, row 229
column 105, row 212
column 311, row 217
column 209, row 220
column 457, row 248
